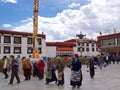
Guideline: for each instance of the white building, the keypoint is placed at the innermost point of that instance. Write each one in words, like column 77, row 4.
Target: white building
column 60, row 49
column 84, row 47
column 20, row 44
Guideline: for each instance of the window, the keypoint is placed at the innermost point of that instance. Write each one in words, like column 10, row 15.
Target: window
column 118, row 40
column 87, row 49
column 39, row 50
column 6, row 50
column 39, row 41
column 17, row 40
column 108, row 42
column 78, row 43
column 87, row 44
column 7, row 39
column 17, row 50
column 93, row 49
column 78, row 49
column 29, row 41
column 29, row 50
column 83, row 49
column 92, row 44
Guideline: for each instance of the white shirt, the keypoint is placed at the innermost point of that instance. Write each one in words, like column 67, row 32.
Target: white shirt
column 5, row 64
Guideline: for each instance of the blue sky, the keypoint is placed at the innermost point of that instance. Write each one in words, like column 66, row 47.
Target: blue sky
column 62, row 19
column 21, row 9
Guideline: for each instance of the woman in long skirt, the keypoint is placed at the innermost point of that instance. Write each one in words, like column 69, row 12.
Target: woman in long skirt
column 50, row 75
column 76, row 73
column 60, row 69
column 26, row 65
column 41, row 66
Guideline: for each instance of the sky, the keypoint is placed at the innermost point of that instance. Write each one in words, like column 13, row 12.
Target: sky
column 62, row 19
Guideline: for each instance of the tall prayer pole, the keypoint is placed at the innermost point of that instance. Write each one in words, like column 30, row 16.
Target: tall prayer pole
column 35, row 29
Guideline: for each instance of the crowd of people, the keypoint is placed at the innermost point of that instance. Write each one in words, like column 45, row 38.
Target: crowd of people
column 101, row 61
column 55, row 71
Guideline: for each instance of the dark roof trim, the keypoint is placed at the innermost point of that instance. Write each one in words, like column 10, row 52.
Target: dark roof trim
column 110, row 36
column 24, row 34
column 62, row 44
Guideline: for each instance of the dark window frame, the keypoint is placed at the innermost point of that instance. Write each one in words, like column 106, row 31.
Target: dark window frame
column 93, row 44
column 79, row 44
column 39, row 40
column 39, row 50
column 29, row 40
column 8, row 50
column 108, row 42
column 17, row 52
column 87, row 49
column 17, row 40
column 87, row 44
column 118, row 41
column 78, row 49
column 83, row 49
column 29, row 48
column 93, row 49
column 7, row 39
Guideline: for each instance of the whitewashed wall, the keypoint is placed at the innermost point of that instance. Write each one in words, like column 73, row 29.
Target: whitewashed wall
column 23, row 46
column 85, row 53
column 51, row 51
column 43, row 46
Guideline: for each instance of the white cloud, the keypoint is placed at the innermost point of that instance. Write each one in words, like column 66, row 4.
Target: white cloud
column 98, row 15
column 7, row 25
column 24, row 25
column 11, row 1
column 74, row 5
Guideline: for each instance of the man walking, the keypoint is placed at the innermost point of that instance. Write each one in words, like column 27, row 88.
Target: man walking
column 5, row 66
column 14, row 66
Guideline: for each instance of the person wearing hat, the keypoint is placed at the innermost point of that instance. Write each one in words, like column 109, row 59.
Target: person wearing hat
column 76, row 73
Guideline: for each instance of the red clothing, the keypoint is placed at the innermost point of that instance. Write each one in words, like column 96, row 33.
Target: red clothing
column 27, row 72
column 41, row 65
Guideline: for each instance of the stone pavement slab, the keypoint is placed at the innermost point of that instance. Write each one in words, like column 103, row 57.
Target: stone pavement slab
column 106, row 79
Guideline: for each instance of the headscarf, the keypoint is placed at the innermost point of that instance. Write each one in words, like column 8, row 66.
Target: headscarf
column 76, row 56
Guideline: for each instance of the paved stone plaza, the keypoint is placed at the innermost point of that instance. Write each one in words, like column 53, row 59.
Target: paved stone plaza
column 106, row 79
